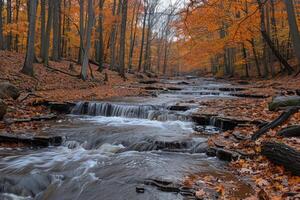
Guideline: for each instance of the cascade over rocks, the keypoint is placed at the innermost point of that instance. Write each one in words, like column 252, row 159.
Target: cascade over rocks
column 8, row 90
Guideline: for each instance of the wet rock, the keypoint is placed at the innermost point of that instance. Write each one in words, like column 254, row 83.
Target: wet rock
column 148, row 82
column 226, row 155
column 200, row 148
column 183, row 83
column 3, row 109
column 174, row 88
column 254, row 96
column 283, row 102
column 222, row 154
column 153, row 88
column 179, row 108
column 211, row 152
column 8, row 90
column 244, row 82
column 163, row 185
column 140, row 189
column 151, row 75
column 224, row 123
column 61, row 107
column 39, row 141
column 231, row 89
column 298, row 92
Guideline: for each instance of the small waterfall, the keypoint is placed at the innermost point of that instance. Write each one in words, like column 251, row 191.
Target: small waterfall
column 213, row 121
column 151, row 112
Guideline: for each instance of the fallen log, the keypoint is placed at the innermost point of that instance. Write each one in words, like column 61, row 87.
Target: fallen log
column 284, row 102
column 31, row 141
column 277, row 122
column 291, row 131
column 283, row 155
column 63, row 72
column 148, row 82
column 254, row 96
column 32, row 119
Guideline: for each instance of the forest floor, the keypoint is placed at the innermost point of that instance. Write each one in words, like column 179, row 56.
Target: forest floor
column 270, row 181
column 48, row 85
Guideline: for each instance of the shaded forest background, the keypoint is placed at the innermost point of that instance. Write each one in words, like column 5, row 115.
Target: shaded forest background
column 244, row 38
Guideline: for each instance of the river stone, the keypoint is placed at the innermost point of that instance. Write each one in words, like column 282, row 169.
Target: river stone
column 283, row 101
column 3, row 108
column 8, row 90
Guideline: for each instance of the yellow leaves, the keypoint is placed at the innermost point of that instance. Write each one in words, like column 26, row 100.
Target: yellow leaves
column 261, row 182
column 220, row 189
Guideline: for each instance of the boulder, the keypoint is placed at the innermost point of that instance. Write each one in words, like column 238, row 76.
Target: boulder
column 8, row 90
column 283, row 102
column 3, row 108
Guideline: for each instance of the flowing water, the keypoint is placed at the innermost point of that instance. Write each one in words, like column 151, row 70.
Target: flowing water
column 112, row 147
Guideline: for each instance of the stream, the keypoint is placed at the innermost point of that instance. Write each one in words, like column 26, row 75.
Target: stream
column 112, row 148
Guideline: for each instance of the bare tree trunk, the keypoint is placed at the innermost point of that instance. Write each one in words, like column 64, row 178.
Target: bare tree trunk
column 143, row 39
column 101, row 42
column 56, row 31
column 246, row 62
column 252, row 42
column 16, row 45
column 133, row 33
column 1, row 26
column 148, row 40
column 28, row 64
column 81, row 31
column 267, row 39
column 43, row 27
column 48, row 32
column 123, row 38
column 9, row 21
column 113, row 38
column 90, row 22
column 293, row 28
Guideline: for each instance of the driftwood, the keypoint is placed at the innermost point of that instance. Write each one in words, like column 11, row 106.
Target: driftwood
column 291, row 131
column 278, row 121
column 283, row 155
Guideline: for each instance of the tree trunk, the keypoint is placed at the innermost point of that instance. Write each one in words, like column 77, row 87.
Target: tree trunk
column 267, row 39
column 148, row 41
column 48, row 32
column 1, row 26
column 252, row 42
column 101, row 42
column 293, row 28
column 9, row 21
column 143, row 39
column 56, row 32
column 246, row 63
column 133, row 33
column 43, row 27
column 113, row 38
column 28, row 64
column 123, row 38
column 90, row 22
column 16, row 46
column 81, row 31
